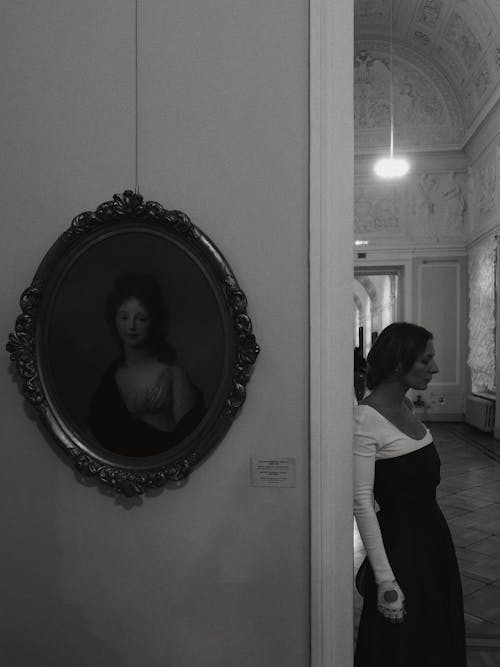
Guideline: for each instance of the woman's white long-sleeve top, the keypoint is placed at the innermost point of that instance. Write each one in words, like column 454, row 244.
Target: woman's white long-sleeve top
column 375, row 437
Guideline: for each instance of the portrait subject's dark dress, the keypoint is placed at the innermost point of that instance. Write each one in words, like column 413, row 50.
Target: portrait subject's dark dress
column 421, row 553
column 120, row 432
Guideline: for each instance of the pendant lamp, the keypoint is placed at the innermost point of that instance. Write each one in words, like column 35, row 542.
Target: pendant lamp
column 391, row 166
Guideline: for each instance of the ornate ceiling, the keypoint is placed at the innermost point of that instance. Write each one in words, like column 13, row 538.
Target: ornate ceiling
column 446, row 69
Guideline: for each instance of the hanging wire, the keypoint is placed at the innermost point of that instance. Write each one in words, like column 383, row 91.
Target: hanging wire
column 391, row 167
column 392, row 95
column 136, row 97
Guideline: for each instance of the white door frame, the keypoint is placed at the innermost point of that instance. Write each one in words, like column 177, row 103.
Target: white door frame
column 331, row 337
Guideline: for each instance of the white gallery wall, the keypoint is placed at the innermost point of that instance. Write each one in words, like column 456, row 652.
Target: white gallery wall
column 216, row 572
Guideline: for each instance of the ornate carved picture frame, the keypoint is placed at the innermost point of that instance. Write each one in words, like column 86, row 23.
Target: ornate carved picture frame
column 134, row 344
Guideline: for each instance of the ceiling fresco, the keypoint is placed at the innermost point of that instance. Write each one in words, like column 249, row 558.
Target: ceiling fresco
column 446, row 67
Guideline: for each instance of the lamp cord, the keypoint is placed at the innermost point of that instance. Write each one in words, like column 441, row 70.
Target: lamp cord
column 136, row 148
column 392, row 95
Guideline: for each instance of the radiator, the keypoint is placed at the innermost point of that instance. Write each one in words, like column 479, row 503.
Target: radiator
column 480, row 412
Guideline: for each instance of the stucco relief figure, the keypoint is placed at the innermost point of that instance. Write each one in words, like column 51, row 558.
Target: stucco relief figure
column 385, row 215
column 486, row 189
column 469, row 105
column 455, row 208
column 484, row 26
column 362, row 62
column 425, row 204
column 462, row 39
column 421, row 37
column 375, row 211
column 371, row 91
column 416, row 102
column 406, row 102
column 370, row 8
column 362, row 210
column 482, row 82
column 431, row 12
column 470, row 184
column 145, row 402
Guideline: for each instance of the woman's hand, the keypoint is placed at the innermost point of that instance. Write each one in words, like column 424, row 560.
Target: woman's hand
column 391, row 601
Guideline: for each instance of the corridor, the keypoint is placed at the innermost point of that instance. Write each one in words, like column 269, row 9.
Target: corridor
column 469, row 495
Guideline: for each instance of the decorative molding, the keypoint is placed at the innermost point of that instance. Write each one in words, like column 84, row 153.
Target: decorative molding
column 483, row 116
column 22, row 346
column 331, row 271
column 124, row 207
column 130, row 482
column 494, row 229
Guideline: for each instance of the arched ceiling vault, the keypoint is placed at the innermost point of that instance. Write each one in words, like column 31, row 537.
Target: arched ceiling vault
column 446, row 62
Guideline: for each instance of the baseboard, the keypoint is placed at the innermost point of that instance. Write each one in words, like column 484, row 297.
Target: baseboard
column 445, row 417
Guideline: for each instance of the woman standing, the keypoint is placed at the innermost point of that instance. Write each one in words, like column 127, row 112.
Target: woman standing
column 413, row 606
column 145, row 403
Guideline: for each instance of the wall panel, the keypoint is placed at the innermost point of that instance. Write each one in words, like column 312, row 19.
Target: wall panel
column 440, row 308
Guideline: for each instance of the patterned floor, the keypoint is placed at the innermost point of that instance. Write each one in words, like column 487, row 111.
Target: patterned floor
column 469, row 495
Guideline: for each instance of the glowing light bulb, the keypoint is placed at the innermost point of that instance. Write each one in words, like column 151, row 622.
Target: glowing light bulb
column 392, row 167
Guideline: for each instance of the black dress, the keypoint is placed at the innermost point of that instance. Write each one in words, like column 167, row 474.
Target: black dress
column 420, row 550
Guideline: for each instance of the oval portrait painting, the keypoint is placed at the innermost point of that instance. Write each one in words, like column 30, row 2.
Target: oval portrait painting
column 138, row 342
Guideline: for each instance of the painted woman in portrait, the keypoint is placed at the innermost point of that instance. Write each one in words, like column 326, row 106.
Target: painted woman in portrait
column 145, row 403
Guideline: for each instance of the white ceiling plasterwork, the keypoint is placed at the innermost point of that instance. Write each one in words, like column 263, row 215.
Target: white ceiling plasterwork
column 426, row 110
column 458, row 38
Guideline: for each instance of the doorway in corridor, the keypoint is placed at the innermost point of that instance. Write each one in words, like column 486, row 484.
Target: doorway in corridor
column 377, row 302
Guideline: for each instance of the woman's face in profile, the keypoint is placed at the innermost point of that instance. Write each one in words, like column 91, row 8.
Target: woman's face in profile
column 420, row 374
column 133, row 323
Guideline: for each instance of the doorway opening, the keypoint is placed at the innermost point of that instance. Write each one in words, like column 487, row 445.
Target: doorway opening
column 377, row 302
